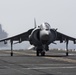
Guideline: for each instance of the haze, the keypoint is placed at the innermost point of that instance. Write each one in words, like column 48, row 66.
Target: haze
column 17, row 16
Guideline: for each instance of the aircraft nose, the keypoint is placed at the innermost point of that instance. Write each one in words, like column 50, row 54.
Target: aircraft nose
column 44, row 35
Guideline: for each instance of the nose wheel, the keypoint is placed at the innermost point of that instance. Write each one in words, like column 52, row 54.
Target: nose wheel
column 40, row 52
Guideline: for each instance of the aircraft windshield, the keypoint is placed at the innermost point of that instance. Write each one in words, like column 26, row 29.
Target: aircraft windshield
column 45, row 26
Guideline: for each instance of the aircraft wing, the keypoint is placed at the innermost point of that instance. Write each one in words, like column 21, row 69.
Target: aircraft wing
column 20, row 37
column 62, row 37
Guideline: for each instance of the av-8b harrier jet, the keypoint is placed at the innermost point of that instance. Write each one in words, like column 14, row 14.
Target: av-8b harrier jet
column 40, row 37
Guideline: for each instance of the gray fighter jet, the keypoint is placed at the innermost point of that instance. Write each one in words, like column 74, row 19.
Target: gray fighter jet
column 40, row 37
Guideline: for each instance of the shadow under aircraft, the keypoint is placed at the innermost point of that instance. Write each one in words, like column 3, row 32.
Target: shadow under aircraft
column 40, row 37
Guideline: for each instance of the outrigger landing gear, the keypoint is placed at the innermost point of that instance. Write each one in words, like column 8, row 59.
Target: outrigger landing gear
column 66, row 47
column 11, row 48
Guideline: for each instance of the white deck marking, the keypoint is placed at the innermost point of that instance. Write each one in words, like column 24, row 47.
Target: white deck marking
column 69, row 67
column 62, row 59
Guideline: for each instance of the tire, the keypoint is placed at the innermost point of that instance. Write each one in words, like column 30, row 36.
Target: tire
column 37, row 53
column 42, row 53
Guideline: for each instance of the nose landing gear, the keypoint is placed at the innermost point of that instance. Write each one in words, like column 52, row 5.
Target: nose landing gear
column 39, row 51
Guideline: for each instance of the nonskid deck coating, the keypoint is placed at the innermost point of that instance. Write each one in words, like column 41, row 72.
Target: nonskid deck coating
column 25, row 62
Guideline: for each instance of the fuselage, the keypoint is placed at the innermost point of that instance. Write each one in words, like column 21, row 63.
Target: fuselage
column 43, row 35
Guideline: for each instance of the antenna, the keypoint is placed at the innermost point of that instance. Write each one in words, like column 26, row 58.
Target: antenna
column 35, row 22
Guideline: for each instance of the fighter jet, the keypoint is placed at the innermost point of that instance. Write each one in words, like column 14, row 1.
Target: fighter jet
column 40, row 37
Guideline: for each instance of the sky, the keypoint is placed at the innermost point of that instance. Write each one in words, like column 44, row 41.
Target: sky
column 17, row 16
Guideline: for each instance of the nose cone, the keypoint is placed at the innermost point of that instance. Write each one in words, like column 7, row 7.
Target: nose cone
column 44, row 35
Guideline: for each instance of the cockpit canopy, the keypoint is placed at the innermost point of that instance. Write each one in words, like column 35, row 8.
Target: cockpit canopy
column 45, row 26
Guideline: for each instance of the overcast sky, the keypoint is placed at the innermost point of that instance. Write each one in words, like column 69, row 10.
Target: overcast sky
column 17, row 16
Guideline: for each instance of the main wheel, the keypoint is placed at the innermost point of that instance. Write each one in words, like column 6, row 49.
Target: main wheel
column 37, row 53
column 42, row 53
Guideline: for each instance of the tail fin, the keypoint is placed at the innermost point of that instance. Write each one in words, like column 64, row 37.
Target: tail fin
column 35, row 22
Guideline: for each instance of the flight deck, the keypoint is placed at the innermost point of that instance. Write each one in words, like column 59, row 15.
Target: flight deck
column 25, row 62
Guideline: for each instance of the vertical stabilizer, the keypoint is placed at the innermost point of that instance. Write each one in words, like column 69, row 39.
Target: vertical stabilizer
column 35, row 22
